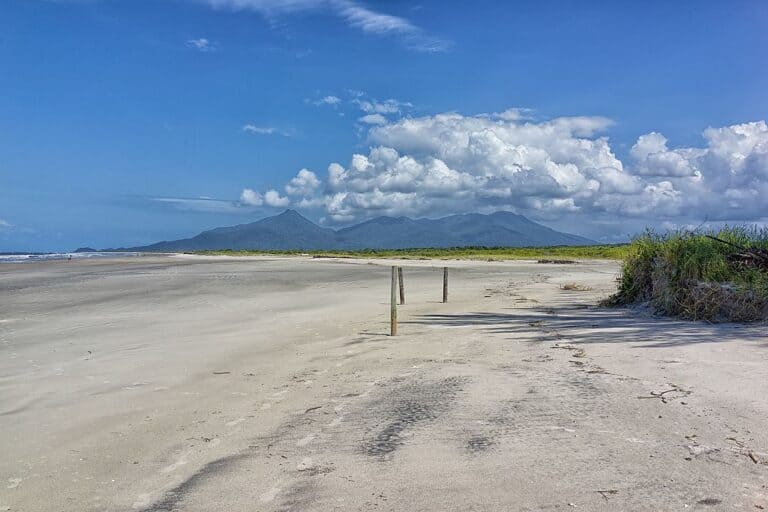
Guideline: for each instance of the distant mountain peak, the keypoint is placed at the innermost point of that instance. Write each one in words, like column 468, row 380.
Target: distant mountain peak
column 290, row 218
column 291, row 213
column 386, row 220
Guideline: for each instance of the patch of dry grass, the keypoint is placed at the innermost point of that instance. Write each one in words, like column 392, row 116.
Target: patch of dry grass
column 575, row 287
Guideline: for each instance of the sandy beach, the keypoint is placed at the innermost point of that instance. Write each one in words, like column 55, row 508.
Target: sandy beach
column 270, row 384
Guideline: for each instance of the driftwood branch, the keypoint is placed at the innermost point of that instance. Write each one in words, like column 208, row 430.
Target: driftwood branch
column 726, row 242
column 746, row 257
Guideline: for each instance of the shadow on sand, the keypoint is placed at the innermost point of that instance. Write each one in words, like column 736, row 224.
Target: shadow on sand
column 581, row 324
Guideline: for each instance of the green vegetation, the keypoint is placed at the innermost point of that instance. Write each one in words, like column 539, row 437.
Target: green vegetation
column 462, row 253
column 693, row 276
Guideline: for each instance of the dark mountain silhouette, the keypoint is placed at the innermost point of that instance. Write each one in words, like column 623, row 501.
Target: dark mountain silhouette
column 291, row 231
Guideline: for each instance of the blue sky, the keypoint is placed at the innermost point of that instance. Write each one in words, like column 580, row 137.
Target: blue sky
column 117, row 117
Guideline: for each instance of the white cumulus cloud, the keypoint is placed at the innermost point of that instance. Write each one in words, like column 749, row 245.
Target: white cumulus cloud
column 372, row 106
column 727, row 179
column 251, row 197
column 328, row 100
column 655, row 159
column 264, row 130
column 202, row 44
column 304, row 184
column 274, row 199
column 376, row 119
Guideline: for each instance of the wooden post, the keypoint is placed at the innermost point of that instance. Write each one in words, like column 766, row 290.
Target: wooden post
column 402, row 285
column 393, row 305
column 445, row 284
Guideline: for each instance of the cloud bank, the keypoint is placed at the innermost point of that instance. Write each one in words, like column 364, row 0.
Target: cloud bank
column 559, row 169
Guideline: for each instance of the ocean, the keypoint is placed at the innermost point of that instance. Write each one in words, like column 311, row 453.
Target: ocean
column 52, row 256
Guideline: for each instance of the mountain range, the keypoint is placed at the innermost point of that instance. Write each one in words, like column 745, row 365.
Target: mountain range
column 291, row 231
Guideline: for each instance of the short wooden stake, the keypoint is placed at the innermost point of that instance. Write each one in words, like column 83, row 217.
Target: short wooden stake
column 402, row 285
column 393, row 305
column 445, row 284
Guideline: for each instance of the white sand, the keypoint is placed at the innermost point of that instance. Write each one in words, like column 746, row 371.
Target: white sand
column 229, row 384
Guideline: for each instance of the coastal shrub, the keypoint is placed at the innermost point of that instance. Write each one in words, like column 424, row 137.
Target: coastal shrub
column 716, row 276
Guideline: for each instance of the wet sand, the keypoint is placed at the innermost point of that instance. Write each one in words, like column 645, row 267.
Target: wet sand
column 265, row 384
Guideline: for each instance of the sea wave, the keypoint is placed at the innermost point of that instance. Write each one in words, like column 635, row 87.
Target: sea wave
column 52, row 256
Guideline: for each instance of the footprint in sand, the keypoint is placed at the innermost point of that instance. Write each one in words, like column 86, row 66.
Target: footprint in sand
column 336, row 422
column 270, row 495
column 304, row 441
column 142, row 501
column 176, row 465
column 305, row 464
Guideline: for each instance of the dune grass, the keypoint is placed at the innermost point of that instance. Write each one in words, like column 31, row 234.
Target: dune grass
column 555, row 253
column 692, row 276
